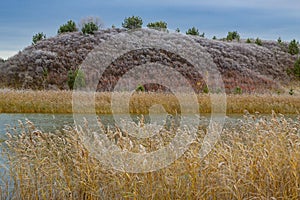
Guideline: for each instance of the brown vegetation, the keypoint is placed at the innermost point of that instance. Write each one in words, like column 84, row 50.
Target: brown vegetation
column 257, row 158
column 26, row 101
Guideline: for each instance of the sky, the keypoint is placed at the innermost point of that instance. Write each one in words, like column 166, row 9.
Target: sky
column 266, row 19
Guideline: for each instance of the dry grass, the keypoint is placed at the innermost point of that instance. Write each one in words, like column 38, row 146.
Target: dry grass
column 263, row 103
column 27, row 101
column 256, row 159
column 61, row 102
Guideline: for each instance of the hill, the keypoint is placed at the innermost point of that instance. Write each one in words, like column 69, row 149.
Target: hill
column 251, row 67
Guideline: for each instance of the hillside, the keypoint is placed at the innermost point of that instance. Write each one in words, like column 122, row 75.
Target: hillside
column 46, row 64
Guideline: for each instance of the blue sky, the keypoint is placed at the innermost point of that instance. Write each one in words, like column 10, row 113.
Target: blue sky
column 266, row 19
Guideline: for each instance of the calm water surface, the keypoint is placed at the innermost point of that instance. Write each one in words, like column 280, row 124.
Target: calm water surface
column 52, row 122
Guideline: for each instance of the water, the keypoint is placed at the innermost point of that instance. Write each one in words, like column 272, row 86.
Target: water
column 53, row 122
column 44, row 122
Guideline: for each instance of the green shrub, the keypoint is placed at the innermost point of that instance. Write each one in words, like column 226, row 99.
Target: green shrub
column 177, row 30
column 291, row 92
column 161, row 25
column 279, row 41
column 90, row 24
column 133, row 22
column 37, row 37
column 278, row 92
column 45, row 72
column 238, row 90
column 76, row 79
column 140, row 88
column 89, row 28
column 192, row 31
column 293, row 47
column 70, row 26
column 205, row 90
column 214, row 38
column 248, row 41
column 2, row 60
column 233, row 36
column 296, row 69
column 258, row 41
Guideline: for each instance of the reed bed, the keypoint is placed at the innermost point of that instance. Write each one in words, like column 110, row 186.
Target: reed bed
column 258, row 158
column 14, row 101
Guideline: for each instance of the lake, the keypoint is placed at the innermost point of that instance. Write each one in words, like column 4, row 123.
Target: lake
column 52, row 122
column 45, row 122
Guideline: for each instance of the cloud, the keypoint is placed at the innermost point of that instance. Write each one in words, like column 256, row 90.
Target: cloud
column 257, row 4
column 281, row 8
column 291, row 5
column 7, row 54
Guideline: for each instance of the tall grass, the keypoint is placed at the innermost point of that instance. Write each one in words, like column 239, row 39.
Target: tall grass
column 258, row 158
column 27, row 101
column 12, row 101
